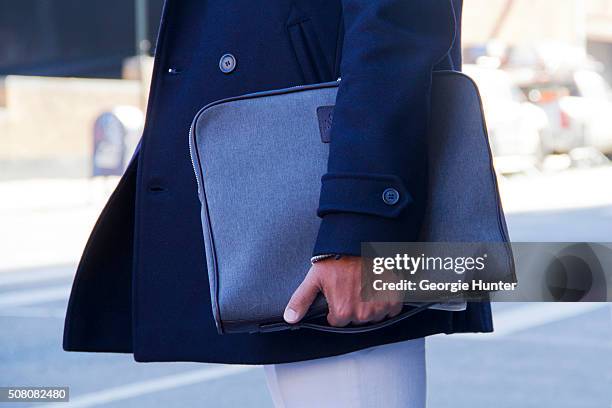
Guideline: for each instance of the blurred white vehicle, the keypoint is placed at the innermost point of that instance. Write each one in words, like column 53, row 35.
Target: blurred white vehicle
column 579, row 111
column 513, row 123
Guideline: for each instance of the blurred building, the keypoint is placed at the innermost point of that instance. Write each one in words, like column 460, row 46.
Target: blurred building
column 70, row 37
column 599, row 33
column 518, row 22
column 92, row 38
column 568, row 26
column 47, row 123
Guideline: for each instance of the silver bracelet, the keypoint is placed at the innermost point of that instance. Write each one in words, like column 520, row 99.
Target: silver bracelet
column 318, row 258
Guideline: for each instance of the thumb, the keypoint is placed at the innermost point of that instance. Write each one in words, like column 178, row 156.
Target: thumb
column 301, row 300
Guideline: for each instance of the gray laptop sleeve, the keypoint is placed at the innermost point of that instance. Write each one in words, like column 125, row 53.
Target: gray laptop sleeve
column 258, row 161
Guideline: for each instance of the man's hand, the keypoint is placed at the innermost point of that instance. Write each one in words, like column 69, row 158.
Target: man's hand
column 340, row 282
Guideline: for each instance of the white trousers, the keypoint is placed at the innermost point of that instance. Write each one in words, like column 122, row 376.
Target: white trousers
column 389, row 376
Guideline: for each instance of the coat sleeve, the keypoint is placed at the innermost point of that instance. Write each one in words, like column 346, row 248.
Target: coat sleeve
column 378, row 136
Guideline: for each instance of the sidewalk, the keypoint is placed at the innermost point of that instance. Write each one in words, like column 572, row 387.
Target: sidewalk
column 567, row 189
column 47, row 221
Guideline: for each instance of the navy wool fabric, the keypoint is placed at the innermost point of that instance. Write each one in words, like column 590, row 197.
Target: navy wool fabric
column 141, row 286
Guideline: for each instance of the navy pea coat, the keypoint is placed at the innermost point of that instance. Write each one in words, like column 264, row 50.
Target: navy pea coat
column 141, row 286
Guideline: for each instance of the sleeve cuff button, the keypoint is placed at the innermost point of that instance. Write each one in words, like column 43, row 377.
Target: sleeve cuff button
column 390, row 196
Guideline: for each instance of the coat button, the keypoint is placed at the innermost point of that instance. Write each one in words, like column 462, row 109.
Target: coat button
column 227, row 63
column 390, row 196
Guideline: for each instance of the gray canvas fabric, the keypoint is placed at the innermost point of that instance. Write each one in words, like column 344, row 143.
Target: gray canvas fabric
column 259, row 160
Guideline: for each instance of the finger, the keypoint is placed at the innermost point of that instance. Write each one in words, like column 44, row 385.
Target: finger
column 380, row 315
column 338, row 318
column 301, row 300
column 396, row 309
column 365, row 313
